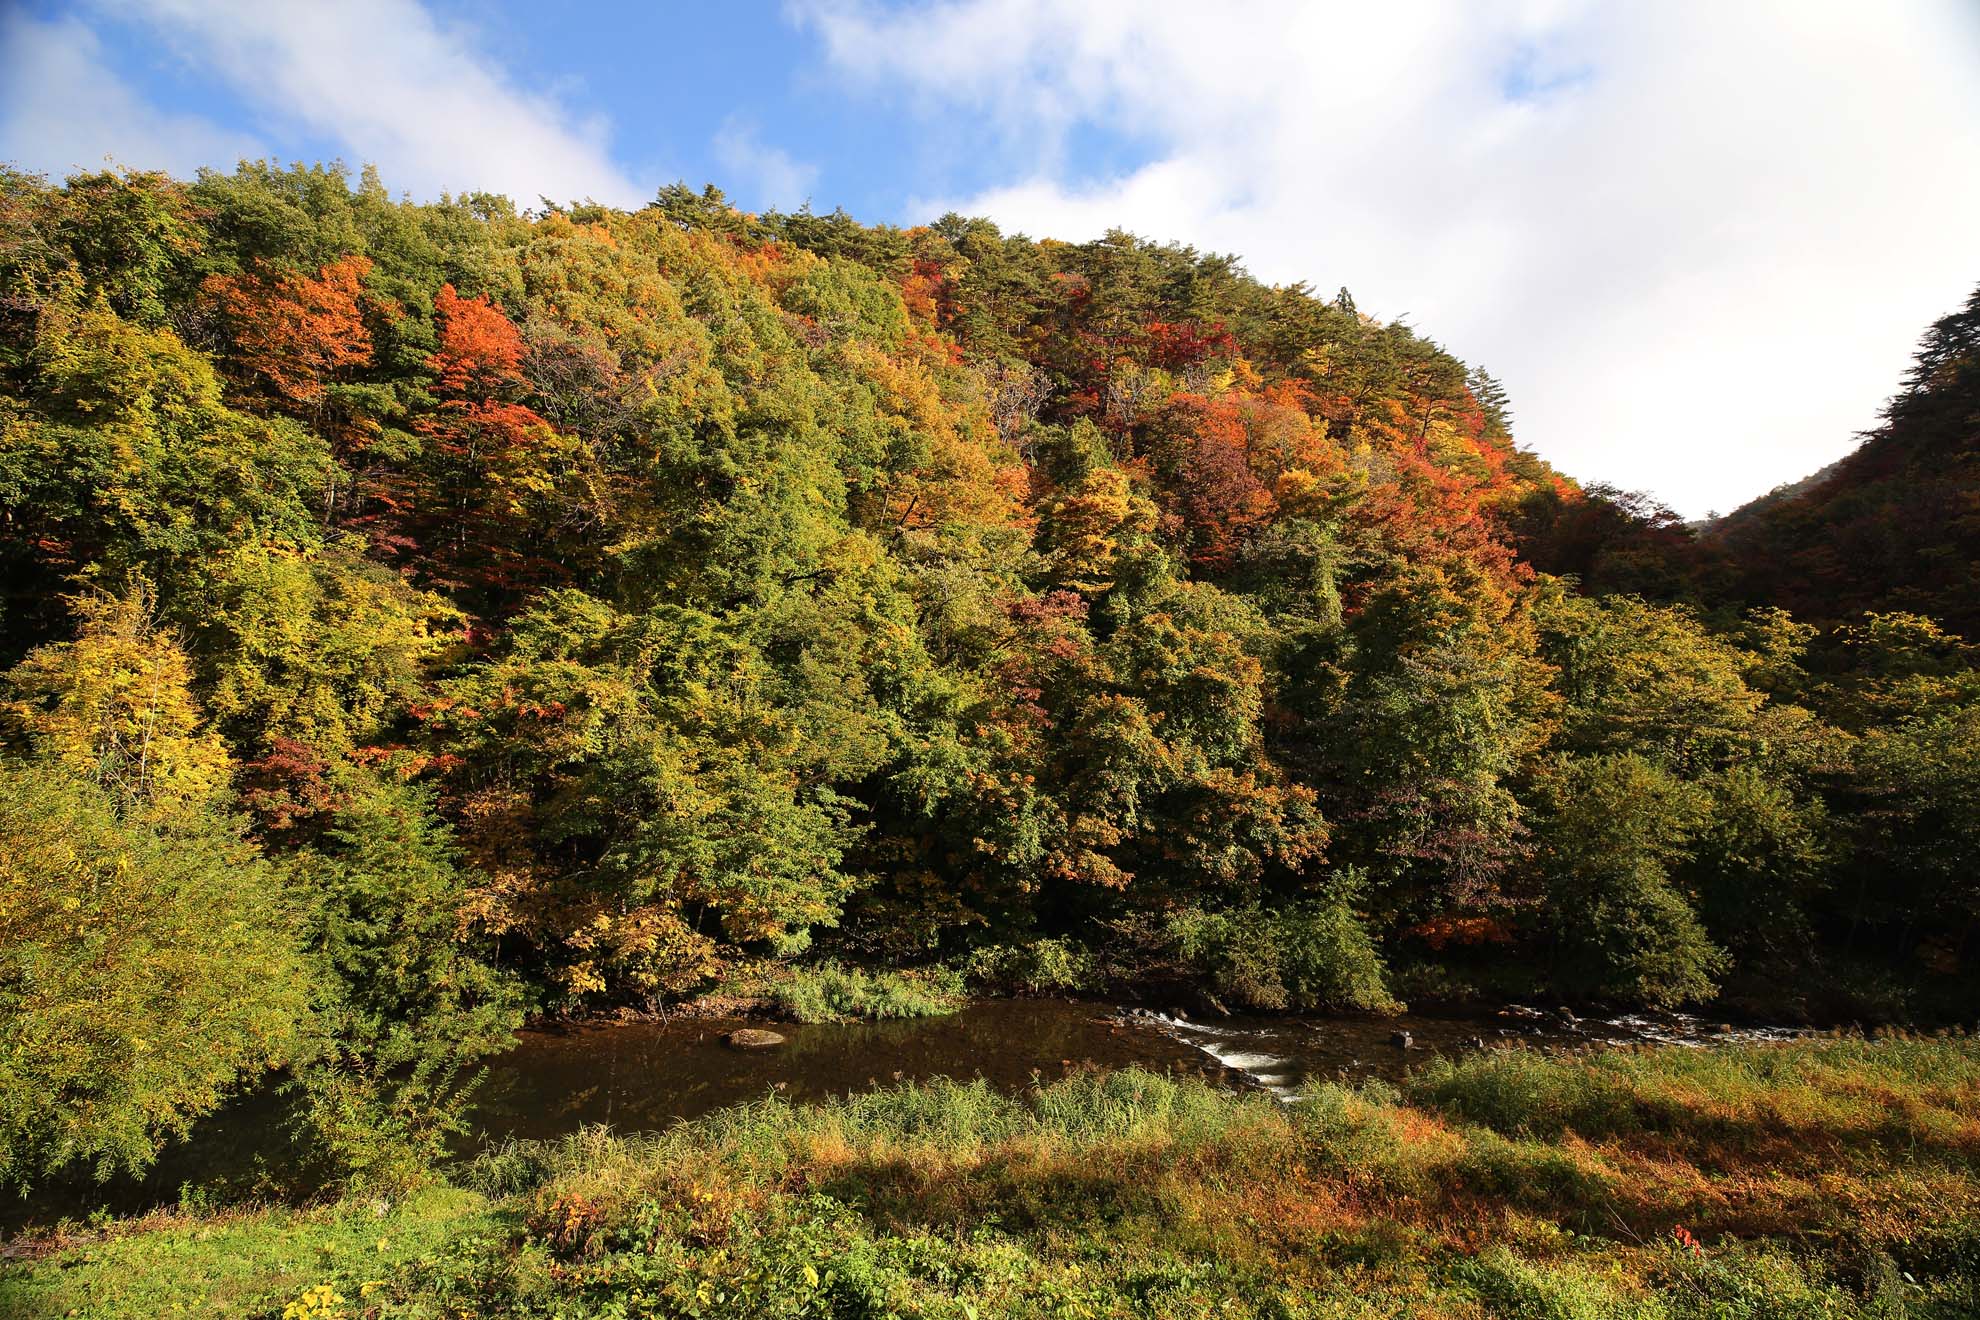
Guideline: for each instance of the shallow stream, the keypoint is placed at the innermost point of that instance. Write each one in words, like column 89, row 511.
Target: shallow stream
column 643, row 1076
column 646, row 1075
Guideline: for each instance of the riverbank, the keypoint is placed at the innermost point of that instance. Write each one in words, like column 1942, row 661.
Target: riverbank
column 647, row 1074
column 1832, row 1178
column 1211, row 987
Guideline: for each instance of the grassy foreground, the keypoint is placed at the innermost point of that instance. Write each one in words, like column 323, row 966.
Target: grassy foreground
column 1828, row 1178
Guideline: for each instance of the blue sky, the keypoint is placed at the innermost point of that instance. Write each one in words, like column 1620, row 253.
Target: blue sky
column 1696, row 239
column 740, row 94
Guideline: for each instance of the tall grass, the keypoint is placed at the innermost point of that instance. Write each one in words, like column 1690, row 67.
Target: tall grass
column 1830, row 1178
column 1919, row 1090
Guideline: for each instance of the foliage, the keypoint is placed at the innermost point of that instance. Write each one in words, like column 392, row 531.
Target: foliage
column 656, row 748
column 294, row 335
column 832, row 992
column 115, row 706
column 148, row 970
column 410, row 1004
column 1034, row 967
column 620, row 598
column 1752, row 1182
column 1307, row 956
column 1622, row 930
column 120, row 454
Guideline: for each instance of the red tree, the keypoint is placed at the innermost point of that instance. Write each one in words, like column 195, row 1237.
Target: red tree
column 294, row 334
column 492, row 455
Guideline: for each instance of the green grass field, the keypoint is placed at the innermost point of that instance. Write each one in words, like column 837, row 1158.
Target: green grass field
column 1816, row 1179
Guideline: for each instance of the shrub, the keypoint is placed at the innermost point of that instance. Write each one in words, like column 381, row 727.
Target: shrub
column 1327, row 960
column 1312, row 956
column 146, row 972
column 832, row 992
column 1041, row 965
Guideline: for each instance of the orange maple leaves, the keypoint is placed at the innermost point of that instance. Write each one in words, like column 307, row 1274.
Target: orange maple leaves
column 481, row 351
column 295, row 334
column 479, row 362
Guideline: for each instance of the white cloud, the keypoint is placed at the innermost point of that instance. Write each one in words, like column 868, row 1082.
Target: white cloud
column 393, row 88
column 62, row 109
column 1696, row 240
column 768, row 175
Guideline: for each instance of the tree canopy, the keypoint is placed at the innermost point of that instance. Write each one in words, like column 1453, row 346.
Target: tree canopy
column 458, row 610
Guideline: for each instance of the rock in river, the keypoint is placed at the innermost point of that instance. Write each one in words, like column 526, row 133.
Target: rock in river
column 752, row 1038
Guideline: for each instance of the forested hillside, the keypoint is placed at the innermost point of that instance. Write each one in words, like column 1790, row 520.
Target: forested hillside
column 1895, row 523
column 417, row 615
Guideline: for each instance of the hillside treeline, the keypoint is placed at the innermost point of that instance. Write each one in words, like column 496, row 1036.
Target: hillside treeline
column 416, row 615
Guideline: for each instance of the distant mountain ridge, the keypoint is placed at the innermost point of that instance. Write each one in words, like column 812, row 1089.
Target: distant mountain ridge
column 1894, row 525
column 1718, row 523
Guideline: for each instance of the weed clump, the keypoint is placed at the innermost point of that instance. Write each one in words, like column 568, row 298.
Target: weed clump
column 1037, row 967
column 832, row 992
column 1308, row 957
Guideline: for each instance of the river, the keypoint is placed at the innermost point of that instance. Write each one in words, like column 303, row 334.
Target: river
column 646, row 1075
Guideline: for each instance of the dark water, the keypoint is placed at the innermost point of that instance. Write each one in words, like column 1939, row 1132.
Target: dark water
column 645, row 1076
column 650, row 1074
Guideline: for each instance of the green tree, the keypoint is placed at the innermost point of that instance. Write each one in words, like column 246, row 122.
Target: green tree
column 148, row 970
column 410, row 995
column 148, row 958
column 1758, row 863
column 122, row 456
column 115, row 707
column 135, row 237
column 1444, row 698
column 648, row 754
column 322, row 646
column 1913, row 879
column 1621, row 928
column 1642, row 678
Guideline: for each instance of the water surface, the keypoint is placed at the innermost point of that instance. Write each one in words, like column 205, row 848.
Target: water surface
column 647, row 1075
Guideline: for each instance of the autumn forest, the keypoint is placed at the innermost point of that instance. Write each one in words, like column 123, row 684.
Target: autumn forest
column 420, row 618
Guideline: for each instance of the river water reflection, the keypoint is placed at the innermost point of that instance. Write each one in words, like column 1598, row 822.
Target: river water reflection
column 647, row 1075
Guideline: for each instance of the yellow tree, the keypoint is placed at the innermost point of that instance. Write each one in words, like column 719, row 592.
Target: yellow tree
column 115, row 706
column 149, row 956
